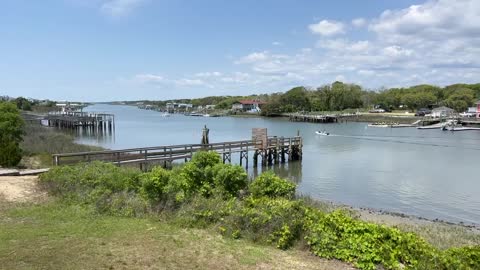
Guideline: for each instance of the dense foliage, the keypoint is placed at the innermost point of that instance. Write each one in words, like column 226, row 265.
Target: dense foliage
column 264, row 211
column 11, row 132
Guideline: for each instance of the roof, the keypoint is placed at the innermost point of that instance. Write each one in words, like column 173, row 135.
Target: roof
column 443, row 108
column 251, row 102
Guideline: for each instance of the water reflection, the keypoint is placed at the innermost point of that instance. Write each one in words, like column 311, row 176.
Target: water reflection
column 98, row 135
column 291, row 170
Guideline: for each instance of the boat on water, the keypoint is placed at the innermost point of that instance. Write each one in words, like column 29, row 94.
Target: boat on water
column 166, row 115
column 379, row 125
column 323, row 133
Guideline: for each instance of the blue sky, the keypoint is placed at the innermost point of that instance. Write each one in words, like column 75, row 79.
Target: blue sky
column 161, row 49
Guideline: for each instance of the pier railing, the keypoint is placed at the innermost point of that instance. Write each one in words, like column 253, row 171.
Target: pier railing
column 275, row 150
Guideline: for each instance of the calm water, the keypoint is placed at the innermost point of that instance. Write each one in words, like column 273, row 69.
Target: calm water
column 428, row 173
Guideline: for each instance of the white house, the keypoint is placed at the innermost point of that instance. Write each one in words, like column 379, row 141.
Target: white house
column 251, row 106
column 443, row 112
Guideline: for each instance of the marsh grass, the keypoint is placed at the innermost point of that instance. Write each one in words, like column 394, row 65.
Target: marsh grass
column 39, row 143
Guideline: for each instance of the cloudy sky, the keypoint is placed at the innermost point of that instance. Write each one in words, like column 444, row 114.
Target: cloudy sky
column 161, row 49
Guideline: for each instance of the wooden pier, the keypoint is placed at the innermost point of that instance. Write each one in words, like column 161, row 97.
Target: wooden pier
column 313, row 118
column 74, row 120
column 271, row 150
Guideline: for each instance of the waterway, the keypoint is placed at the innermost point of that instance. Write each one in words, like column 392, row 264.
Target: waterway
column 428, row 173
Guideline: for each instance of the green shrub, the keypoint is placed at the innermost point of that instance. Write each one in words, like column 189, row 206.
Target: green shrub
column 202, row 212
column 277, row 221
column 10, row 153
column 196, row 176
column 154, row 184
column 229, row 179
column 462, row 258
column 11, row 132
column 366, row 245
column 270, row 185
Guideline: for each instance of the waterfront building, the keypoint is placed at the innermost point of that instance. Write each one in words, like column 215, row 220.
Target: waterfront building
column 251, row 106
column 443, row 112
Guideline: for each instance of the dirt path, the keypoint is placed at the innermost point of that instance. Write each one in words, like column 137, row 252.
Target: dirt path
column 19, row 189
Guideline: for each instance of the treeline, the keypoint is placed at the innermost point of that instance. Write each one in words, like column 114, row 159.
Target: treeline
column 341, row 96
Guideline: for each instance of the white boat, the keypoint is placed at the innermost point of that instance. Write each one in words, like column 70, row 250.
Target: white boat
column 379, row 125
column 166, row 115
column 323, row 133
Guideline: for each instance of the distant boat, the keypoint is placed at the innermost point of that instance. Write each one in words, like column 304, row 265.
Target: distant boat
column 323, row 133
column 195, row 114
column 166, row 115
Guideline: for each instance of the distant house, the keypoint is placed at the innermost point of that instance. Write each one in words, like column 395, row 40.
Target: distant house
column 210, row 107
column 178, row 107
column 251, row 106
column 443, row 112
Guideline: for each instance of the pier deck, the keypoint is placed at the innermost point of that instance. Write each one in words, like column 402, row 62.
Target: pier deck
column 273, row 150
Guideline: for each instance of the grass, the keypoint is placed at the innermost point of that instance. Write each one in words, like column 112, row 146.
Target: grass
column 59, row 236
column 40, row 142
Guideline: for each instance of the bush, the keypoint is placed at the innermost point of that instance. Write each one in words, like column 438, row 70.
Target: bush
column 277, row 221
column 270, row 185
column 462, row 258
column 154, row 184
column 229, row 179
column 196, row 175
column 10, row 153
column 366, row 245
column 11, row 132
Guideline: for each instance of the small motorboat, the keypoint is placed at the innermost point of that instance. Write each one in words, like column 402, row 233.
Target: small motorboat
column 323, row 133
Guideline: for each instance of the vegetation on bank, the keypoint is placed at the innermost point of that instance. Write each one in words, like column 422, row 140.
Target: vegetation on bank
column 39, row 143
column 207, row 194
column 341, row 96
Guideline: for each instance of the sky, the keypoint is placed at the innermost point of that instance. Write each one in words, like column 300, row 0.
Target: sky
column 105, row 50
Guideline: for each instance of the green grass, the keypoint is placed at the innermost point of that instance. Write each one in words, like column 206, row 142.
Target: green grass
column 60, row 236
column 39, row 143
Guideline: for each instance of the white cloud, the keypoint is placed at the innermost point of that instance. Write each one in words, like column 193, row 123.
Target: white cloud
column 148, row 78
column 434, row 20
column 397, row 51
column 340, row 78
column 342, row 45
column 253, row 57
column 327, row 28
column 209, row 74
column 277, row 43
column 359, row 22
column 190, row 82
column 119, row 8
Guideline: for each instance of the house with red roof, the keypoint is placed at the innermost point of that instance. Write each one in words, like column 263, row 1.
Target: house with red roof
column 250, row 106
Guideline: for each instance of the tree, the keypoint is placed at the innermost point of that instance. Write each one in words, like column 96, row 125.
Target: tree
column 461, row 99
column 11, row 132
column 295, row 99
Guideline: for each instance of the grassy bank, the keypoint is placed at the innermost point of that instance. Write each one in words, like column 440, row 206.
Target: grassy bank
column 207, row 194
column 62, row 236
column 39, row 143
